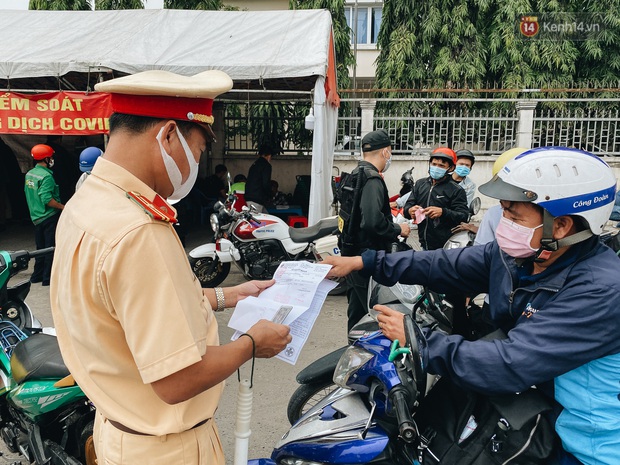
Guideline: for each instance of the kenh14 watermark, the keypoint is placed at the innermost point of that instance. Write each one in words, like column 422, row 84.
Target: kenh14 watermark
column 561, row 26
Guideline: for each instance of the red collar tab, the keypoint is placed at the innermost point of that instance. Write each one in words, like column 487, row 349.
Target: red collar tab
column 158, row 208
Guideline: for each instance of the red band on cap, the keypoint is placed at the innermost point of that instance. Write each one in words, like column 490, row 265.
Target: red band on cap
column 178, row 108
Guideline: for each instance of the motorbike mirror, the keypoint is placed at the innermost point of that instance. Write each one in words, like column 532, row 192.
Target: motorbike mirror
column 416, row 343
column 474, row 206
column 400, row 297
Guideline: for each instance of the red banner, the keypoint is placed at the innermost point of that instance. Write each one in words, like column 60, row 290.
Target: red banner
column 71, row 113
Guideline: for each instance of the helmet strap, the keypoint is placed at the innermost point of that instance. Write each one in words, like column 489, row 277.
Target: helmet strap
column 549, row 244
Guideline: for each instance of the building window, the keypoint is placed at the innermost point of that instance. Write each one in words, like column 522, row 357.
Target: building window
column 368, row 23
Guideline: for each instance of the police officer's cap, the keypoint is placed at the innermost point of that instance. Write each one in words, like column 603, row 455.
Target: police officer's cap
column 166, row 95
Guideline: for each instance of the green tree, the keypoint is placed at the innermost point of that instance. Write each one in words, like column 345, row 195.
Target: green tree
column 119, row 4
column 60, row 5
column 342, row 34
column 433, row 41
column 267, row 123
column 474, row 43
column 517, row 62
column 600, row 56
column 194, row 4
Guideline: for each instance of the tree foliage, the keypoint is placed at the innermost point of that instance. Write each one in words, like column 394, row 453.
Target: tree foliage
column 474, row 43
column 75, row 5
column 194, row 4
column 119, row 4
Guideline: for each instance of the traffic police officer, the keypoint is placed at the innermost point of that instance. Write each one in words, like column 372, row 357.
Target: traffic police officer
column 134, row 326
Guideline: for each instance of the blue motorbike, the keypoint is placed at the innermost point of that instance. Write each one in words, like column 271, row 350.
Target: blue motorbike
column 368, row 418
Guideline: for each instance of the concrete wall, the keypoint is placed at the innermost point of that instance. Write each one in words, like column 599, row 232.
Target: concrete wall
column 366, row 68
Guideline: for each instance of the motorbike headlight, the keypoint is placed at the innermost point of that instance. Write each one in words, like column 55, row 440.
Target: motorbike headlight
column 352, row 360
column 215, row 222
column 452, row 245
column 296, row 461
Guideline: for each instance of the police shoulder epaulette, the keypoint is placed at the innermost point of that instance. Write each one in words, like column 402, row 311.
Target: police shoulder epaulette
column 157, row 209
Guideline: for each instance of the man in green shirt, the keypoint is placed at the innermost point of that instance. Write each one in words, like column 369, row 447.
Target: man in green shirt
column 43, row 198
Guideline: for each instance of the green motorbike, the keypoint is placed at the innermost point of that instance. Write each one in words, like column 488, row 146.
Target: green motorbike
column 44, row 415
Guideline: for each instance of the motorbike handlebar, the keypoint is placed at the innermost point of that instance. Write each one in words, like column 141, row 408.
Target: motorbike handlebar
column 41, row 252
column 406, row 426
column 21, row 258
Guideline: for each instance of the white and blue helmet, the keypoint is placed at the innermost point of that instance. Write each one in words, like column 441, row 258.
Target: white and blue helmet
column 88, row 157
column 563, row 181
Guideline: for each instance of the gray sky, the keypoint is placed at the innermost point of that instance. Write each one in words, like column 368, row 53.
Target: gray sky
column 23, row 4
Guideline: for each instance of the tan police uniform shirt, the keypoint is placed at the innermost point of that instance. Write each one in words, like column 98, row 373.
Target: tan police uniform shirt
column 127, row 308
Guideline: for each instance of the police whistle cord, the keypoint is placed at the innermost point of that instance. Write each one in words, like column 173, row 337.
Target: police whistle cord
column 253, row 359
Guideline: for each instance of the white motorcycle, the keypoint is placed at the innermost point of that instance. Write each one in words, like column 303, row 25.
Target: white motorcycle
column 257, row 243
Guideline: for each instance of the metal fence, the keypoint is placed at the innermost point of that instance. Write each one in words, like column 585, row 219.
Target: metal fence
column 597, row 131
column 483, row 131
column 485, row 126
column 243, row 122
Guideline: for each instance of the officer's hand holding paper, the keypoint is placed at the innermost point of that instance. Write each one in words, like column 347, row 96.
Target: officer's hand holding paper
column 295, row 300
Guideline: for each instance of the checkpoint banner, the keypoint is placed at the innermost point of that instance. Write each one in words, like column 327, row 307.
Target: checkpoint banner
column 70, row 113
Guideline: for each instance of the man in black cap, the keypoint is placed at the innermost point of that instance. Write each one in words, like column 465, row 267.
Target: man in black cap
column 365, row 219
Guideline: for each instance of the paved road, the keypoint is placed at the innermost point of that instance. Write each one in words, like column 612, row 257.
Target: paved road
column 274, row 380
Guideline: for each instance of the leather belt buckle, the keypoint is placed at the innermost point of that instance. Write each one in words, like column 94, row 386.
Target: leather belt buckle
column 125, row 429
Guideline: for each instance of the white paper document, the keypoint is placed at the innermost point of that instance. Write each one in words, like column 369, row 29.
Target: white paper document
column 295, row 300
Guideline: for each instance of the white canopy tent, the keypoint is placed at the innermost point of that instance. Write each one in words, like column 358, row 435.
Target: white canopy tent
column 274, row 53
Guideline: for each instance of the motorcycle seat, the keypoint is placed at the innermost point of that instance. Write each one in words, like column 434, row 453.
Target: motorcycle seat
column 37, row 357
column 323, row 228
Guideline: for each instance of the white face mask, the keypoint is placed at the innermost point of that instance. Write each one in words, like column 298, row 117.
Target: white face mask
column 181, row 189
column 387, row 164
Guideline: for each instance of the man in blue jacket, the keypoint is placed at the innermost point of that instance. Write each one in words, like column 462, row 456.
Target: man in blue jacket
column 553, row 288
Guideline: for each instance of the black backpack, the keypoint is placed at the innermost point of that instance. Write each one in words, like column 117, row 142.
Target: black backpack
column 459, row 427
column 349, row 195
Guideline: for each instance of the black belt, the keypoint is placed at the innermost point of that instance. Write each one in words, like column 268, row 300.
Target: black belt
column 125, row 429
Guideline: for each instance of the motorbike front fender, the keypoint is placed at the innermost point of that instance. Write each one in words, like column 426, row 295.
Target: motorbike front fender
column 261, row 462
column 19, row 291
column 227, row 253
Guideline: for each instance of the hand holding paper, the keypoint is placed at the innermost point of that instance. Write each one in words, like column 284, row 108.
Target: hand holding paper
column 270, row 339
column 295, row 299
column 419, row 216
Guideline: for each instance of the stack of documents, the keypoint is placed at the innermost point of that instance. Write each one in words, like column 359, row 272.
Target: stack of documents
column 295, row 300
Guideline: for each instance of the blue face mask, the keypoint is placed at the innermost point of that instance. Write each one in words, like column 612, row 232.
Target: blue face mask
column 436, row 172
column 462, row 170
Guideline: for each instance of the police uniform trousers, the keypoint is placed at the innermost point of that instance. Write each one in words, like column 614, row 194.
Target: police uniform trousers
column 197, row 446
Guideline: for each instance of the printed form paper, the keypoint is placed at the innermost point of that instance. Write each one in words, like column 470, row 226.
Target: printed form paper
column 297, row 296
